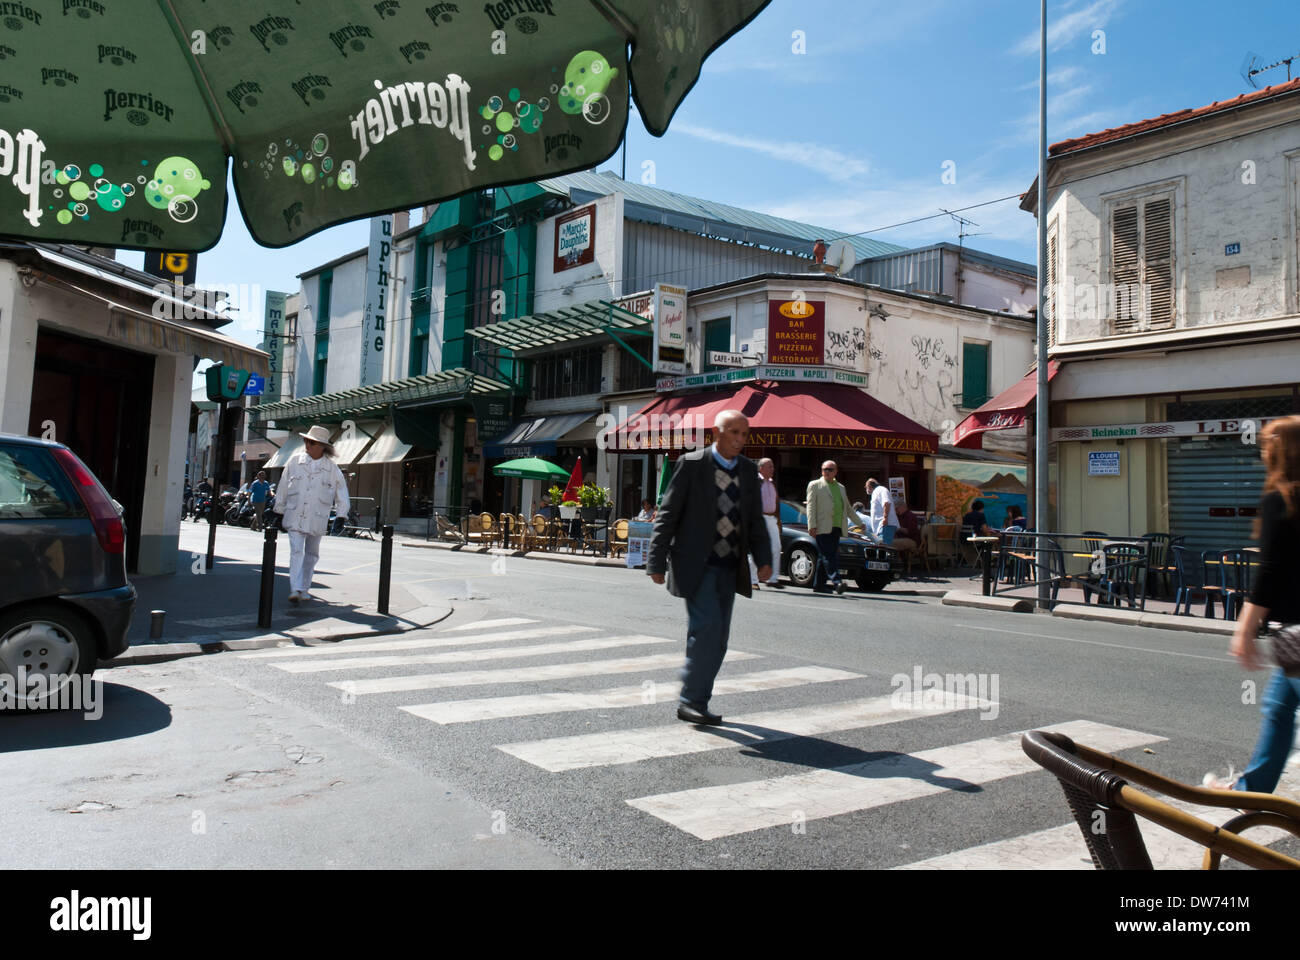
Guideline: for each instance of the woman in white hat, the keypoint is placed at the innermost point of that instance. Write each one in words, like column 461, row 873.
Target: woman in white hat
column 312, row 483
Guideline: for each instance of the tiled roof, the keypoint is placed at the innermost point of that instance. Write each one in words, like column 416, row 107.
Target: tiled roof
column 1155, row 123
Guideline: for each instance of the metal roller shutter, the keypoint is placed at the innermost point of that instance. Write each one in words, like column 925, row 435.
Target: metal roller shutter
column 1214, row 491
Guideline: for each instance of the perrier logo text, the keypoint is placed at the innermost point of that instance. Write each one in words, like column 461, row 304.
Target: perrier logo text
column 272, row 27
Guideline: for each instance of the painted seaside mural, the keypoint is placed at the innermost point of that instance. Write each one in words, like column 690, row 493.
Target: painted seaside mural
column 959, row 483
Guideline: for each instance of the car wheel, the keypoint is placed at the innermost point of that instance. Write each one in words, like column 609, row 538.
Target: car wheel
column 873, row 582
column 803, row 566
column 51, row 645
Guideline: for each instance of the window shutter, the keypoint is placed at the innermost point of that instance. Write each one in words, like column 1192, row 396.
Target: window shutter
column 1125, row 268
column 974, row 375
column 1158, row 262
column 1051, row 289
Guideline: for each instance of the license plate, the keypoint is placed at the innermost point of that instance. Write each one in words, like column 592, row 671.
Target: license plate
column 877, row 565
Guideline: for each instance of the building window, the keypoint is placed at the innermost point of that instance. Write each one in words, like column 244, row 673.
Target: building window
column 717, row 337
column 1142, row 265
column 572, row 374
column 974, row 374
column 321, row 357
column 419, row 361
column 632, row 373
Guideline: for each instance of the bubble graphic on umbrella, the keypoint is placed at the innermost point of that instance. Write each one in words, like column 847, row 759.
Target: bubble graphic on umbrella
column 586, row 79
column 175, row 185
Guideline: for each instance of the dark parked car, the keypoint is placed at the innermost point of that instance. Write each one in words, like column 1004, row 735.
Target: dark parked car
column 65, row 601
column 871, row 565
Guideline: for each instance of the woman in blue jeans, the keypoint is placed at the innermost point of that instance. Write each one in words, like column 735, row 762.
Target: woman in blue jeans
column 1276, row 597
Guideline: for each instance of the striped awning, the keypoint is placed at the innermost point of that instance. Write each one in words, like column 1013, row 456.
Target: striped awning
column 449, row 385
column 560, row 326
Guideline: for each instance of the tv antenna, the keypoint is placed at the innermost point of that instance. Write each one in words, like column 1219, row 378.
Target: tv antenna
column 1250, row 68
column 962, row 224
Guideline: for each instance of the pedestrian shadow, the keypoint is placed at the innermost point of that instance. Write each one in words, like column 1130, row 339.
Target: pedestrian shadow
column 819, row 754
column 117, row 712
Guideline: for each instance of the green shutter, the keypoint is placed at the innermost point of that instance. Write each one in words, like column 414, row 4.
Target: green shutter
column 974, row 374
column 717, row 336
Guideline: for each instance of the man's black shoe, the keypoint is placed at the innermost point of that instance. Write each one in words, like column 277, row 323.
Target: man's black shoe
column 697, row 715
column 839, row 586
column 776, row 586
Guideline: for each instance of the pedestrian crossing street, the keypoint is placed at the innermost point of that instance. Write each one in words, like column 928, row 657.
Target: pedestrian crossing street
column 414, row 666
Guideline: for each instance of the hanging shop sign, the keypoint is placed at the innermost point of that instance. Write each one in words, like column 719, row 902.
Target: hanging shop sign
column 670, row 329
column 379, row 264
column 273, row 335
column 796, row 331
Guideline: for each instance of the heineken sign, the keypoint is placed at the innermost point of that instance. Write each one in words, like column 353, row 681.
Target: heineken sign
column 762, row 372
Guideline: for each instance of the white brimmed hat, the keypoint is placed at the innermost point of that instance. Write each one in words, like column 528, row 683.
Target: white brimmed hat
column 320, row 435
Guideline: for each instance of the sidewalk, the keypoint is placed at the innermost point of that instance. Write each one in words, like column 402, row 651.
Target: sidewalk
column 215, row 610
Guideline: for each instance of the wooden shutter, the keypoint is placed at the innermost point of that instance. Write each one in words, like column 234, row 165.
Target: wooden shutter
column 1158, row 262
column 1050, row 299
column 974, row 375
column 1125, row 268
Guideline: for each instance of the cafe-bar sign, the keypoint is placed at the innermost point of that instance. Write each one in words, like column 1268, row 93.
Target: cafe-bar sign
column 795, row 332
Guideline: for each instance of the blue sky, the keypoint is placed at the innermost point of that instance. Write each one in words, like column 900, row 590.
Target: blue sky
column 854, row 133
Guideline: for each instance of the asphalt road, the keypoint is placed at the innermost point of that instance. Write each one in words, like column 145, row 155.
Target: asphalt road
column 820, row 764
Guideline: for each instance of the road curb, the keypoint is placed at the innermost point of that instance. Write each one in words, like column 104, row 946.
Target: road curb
column 1138, row 618
column 963, row 598
column 521, row 555
column 420, row 618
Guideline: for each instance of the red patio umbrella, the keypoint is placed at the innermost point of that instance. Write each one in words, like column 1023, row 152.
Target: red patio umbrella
column 575, row 481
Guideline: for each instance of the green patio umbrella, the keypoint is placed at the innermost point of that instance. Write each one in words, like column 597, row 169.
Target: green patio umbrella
column 117, row 118
column 530, row 468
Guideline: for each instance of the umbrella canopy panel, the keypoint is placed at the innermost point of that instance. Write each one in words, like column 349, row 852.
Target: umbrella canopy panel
column 118, row 117
column 529, row 468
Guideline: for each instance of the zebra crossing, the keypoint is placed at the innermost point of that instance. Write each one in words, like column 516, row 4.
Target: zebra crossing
column 708, row 811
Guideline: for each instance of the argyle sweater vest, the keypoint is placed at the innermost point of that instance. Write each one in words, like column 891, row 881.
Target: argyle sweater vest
column 726, row 540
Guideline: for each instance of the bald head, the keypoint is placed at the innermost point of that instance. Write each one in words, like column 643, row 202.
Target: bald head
column 731, row 431
column 766, row 468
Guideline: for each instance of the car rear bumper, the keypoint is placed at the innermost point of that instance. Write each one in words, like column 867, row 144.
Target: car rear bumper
column 111, row 610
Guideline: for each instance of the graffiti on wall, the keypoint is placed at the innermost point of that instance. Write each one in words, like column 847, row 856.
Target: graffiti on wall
column 930, row 351
column 844, row 347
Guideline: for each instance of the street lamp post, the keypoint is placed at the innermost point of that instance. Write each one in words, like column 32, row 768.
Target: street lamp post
column 1040, row 408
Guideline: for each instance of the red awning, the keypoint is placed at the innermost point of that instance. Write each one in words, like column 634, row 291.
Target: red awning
column 1005, row 411
column 781, row 414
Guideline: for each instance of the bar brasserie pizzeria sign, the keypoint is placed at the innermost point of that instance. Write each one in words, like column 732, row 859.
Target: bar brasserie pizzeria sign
column 795, row 332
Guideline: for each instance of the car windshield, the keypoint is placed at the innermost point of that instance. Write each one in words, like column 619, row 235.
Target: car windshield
column 793, row 513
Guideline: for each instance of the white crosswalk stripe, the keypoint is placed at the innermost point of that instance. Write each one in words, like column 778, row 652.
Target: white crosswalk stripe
column 1063, row 848
column 461, row 656
column 483, row 624
column 630, row 746
column 729, row 809
column 416, row 643
column 533, row 674
column 530, row 705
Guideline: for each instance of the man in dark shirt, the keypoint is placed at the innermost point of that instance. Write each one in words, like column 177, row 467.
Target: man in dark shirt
column 976, row 519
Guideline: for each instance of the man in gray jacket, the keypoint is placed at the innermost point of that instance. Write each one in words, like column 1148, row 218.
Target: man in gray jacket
column 711, row 518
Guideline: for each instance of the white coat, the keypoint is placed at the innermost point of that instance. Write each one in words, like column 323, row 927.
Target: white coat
column 307, row 491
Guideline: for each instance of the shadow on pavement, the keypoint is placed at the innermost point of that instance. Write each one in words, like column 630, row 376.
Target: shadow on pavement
column 113, row 712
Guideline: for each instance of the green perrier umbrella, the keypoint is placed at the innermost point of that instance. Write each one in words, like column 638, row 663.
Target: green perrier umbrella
column 117, row 116
column 529, row 468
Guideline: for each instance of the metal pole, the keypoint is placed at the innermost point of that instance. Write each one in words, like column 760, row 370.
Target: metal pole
column 218, row 455
column 268, row 578
column 385, row 566
column 1040, row 410
column 987, row 552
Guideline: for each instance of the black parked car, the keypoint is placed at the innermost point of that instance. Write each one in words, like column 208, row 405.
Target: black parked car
column 871, row 565
column 65, row 601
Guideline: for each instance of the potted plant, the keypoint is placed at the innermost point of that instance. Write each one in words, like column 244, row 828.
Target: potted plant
column 594, row 501
column 568, row 508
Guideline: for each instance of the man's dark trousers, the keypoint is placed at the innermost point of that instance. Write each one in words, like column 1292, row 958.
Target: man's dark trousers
column 708, row 615
column 828, row 559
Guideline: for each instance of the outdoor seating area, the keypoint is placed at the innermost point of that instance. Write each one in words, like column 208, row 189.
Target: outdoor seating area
column 594, row 534
column 1155, row 573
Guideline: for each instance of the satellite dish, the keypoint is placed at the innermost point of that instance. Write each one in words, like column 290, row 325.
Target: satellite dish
column 841, row 257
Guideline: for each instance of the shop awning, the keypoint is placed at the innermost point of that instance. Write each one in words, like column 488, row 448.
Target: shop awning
column 1004, row 412
column 287, row 450
column 560, row 326
column 387, row 448
column 535, row 436
column 449, row 386
column 826, row 416
column 346, row 451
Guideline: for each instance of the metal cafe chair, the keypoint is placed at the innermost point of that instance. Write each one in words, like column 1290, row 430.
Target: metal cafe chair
column 1108, row 810
column 1189, row 568
column 1126, row 570
column 1159, row 565
column 1236, row 577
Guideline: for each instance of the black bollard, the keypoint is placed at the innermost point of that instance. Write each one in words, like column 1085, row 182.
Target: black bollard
column 385, row 566
column 988, row 568
column 267, row 597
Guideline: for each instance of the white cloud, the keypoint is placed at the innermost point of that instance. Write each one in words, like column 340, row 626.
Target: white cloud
column 827, row 161
column 1066, row 29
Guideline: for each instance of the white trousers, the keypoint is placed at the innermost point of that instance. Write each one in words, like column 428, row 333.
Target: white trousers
column 304, row 551
column 774, row 536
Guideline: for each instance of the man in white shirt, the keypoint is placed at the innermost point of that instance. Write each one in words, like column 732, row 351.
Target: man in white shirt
column 772, row 520
column 310, row 485
column 884, row 518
